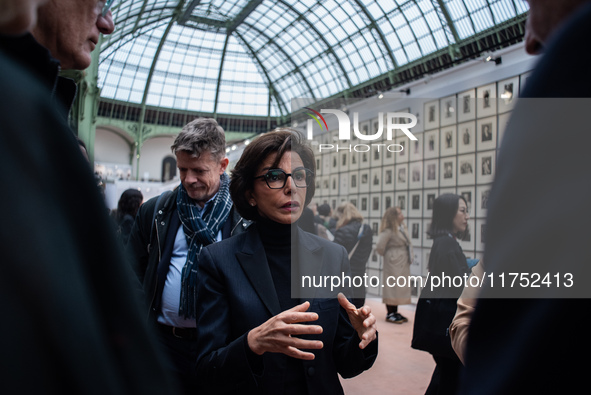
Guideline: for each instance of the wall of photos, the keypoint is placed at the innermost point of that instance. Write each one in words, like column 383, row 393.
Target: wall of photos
column 458, row 135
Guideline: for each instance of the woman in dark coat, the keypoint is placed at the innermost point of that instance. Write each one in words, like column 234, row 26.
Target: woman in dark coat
column 437, row 307
column 349, row 231
column 256, row 334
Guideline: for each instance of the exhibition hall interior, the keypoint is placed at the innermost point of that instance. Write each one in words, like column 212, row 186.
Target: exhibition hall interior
column 457, row 66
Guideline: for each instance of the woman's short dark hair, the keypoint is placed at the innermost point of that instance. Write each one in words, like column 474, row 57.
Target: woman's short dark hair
column 276, row 142
column 129, row 203
column 445, row 208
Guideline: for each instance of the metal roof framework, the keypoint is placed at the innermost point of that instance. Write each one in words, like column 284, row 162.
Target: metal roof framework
column 252, row 57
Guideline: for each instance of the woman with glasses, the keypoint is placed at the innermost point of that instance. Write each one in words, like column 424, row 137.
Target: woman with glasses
column 437, row 305
column 258, row 334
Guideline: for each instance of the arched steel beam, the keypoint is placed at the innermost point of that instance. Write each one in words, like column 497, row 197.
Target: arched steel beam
column 270, row 86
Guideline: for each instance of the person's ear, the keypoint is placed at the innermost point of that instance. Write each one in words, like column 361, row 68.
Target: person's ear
column 224, row 165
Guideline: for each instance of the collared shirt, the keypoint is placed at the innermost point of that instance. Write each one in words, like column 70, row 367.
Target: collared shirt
column 171, row 294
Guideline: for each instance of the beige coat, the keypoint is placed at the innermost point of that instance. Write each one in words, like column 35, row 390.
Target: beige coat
column 458, row 330
column 397, row 252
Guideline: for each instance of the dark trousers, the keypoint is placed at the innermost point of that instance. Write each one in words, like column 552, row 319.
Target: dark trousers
column 445, row 378
column 182, row 359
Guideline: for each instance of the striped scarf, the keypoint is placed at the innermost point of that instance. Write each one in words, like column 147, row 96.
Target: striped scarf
column 200, row 230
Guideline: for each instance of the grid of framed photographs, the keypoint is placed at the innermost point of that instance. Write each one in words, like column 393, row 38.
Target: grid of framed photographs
column 456, row 153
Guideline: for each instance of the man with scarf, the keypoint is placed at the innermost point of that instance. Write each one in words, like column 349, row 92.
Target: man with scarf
column 170, row 231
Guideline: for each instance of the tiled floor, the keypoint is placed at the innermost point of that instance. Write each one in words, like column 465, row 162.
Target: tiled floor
column 398, row 369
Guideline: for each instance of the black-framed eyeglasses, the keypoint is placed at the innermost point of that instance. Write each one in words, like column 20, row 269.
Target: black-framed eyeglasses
column 276, row 178
column 108, row 5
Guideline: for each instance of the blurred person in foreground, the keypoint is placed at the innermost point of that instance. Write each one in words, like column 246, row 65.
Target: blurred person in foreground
column 70, row 316
column 534, row 339
column 258, row 332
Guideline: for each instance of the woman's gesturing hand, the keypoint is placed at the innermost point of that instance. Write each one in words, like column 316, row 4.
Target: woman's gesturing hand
column 279, row 334
column 362, row 320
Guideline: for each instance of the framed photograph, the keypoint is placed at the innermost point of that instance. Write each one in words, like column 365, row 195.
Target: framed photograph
column 334, row 184
column 447, row 110
column 431, row 144
column 318, row 160
column 364, row 181
column 354, row 200
column 503, row 122
column 364, row 205
column 431, row 173
column 354, row 182
column 354, row 159
column 325, row 158
column 508, row 91
column 401, row 200
column 375, row 209
column 344, row 161
column 448, row 141
column 468, row 243
column 415, row 208
column 388, row 201
column 447, row 172
column 468, row 193
column 324, row 186
column 399, row 121
column 482, row 194
column 466, row 137
column 480, row 232
column 486, row 133
column 416, row 147
column 334, row 163
column 415, row 231
column 486, row 100
column 364, row 157
column 376, row 155
column 416, row 265
column 431, row 115
column 375, row 177
column 427, row 240
column 466, row 105
column 485, row 167
column 467, row 169
column 416, row 175
column 429, row 196
column 401, row 176
column 388, row 178
column 403, row 155
column 344, row 184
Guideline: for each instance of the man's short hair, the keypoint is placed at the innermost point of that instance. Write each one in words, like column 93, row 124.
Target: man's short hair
column 199, row 136
column 324, row 209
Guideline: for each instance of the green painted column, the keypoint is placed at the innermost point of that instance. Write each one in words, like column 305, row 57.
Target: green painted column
column 87, row 103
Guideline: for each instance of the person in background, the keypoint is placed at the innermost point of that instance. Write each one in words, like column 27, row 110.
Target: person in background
column 256, row 333
column 394, row 245
column 127, row 208
column 325, row 215
column 168, row 235
column 538, row 341
column 71, row 318
column 437, row 305
column 356, row 237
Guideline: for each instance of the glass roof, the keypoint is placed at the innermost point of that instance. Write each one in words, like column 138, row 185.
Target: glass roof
column 251, row 57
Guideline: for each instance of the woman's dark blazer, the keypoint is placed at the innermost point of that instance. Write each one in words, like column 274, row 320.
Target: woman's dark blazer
column 236, row 294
